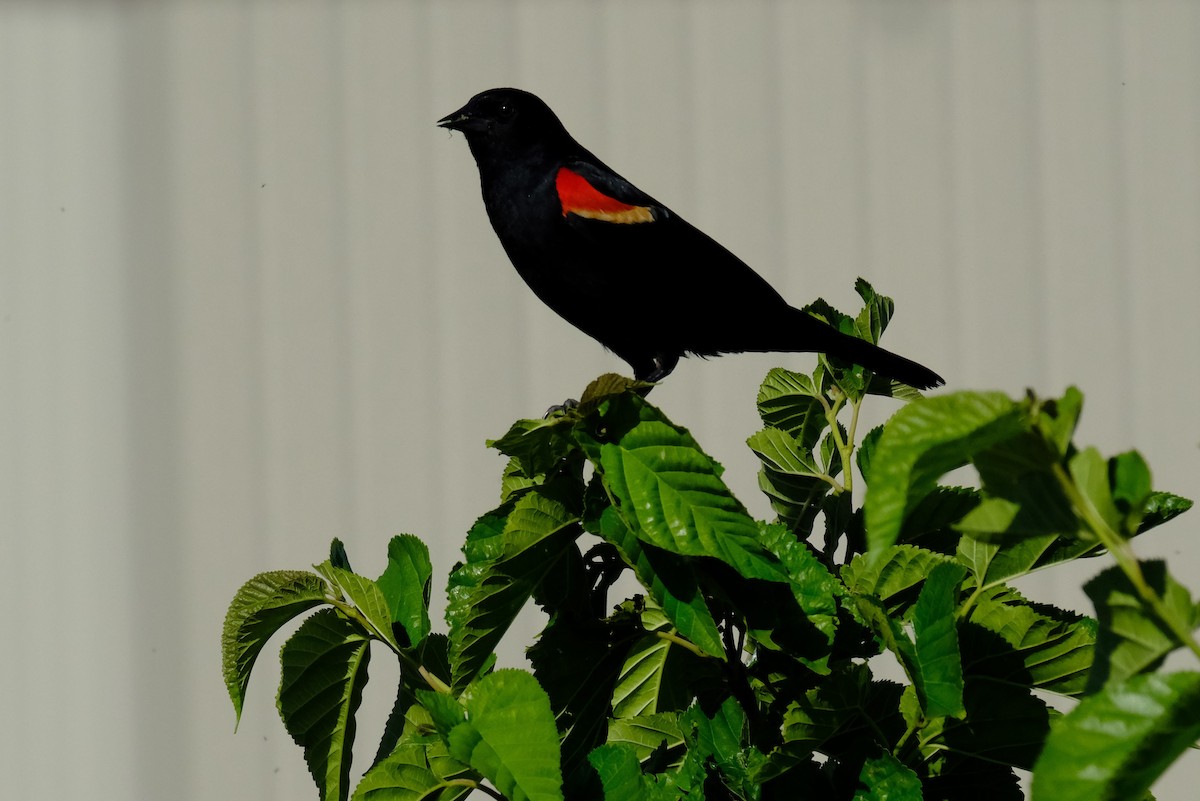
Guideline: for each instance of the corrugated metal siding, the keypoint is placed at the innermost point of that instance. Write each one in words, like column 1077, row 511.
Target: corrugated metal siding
column 249, row 299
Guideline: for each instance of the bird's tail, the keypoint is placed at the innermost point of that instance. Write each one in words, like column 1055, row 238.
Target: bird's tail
column 818, row 337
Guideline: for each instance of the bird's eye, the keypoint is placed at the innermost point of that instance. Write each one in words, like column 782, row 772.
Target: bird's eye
column 506, row 110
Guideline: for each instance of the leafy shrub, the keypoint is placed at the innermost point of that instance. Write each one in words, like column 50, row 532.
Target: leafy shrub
column 746, row 665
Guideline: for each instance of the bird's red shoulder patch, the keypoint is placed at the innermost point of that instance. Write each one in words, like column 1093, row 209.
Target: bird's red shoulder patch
column 580, row 198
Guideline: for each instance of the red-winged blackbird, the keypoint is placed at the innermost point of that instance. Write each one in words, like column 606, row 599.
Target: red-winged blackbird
column 622, row 267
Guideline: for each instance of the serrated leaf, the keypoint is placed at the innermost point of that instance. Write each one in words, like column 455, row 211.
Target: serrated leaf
column 1090, row 473
column 646, row 733
column 886, row 779
column 866, row 452
column 876, row 312
column 893, row 576
column 509, row 736
column 1161, row 507
column 405, row 586
column 1007, row 638
column 718, row 740
column 508, row 553
column 815, row 589
column 623, row 780
column 1130, row 478
column 930, row 524
column 1004, row 724
column 514, row 481
column 670, row 494
column 848, row 705
column 789, row 478
column 670, row 580
column 1057, row 419
column 407, row 775
column 607, row 386
column 537, row 445
column 368, row 598
column 994, row 563
column 921, row 442
column 789, row 401
column 260, row 608
column 641, row 680
column 938, row 664
column 337, row 554
column 1132, row 637
column 578, row 661
column 445, row 711
column 324, row 669
column 1116, row 743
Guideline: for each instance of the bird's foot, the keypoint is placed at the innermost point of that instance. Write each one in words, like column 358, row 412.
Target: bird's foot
column 561, row 408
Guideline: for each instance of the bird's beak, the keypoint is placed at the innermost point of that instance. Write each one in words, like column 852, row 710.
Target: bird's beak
column 461, row 121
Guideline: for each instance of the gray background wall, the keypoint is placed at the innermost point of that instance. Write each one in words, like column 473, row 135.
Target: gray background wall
column 249, row 299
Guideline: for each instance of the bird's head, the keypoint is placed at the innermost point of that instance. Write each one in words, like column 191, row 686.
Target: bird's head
column 504, row 122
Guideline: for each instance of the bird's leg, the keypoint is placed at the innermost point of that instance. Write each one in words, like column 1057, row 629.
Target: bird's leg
column 660, row 367
column 565, row 406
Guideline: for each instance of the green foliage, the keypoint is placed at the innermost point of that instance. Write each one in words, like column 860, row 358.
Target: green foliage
column 747, row 666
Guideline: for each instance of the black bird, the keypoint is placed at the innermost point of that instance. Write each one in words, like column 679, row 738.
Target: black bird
column 622, row 267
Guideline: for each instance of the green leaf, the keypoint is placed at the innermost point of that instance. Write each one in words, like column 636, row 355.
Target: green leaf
column 509, row 736
column 641, row 685
column 894, row 576
column 259, row 609
column 846, row 705
column 994, row 563
column 608, row 386
column 405, row 586
column 938, row 664
column 445, row 711
column 646, row 733
column 1004, row 724
column 1090, row 472
column 1115, row 744
column 537, row 445
column 876, row 312
column 670, row 494
column 931, row 657
column 1130, row 478
column 417, row 768
column 789, row 401
column 1007, row 638
column 407, row 775
column 324, row 669
column 866, row 452
column 509, row 553
column 815, row 589
column 513, row 480
column 789, row 477
column 337, row 554
column 366, row 595
column 1161, row 507
column 1132, row 638
column 886, row 779
column 930, row 524
column 623, row 780
column 671, row 582
column 924, row 440
column 578, row 661
column 1057, row 419
column 717, row 740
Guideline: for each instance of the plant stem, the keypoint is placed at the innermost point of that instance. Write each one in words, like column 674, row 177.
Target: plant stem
column 1118, row 546
column 474, row 785
column 406, row 660
column 675, row 639
column 847, row 449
